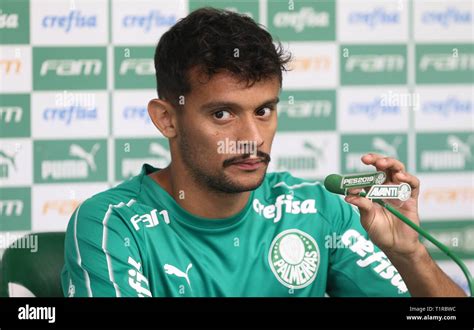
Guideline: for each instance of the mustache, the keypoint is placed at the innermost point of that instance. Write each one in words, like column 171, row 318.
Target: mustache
column 263, row 155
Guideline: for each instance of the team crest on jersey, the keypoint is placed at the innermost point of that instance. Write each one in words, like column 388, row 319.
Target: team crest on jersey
column 294, row 258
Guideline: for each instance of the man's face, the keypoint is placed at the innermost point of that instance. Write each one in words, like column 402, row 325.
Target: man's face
column 225, row 131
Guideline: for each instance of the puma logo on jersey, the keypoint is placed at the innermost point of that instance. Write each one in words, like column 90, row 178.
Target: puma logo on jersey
column 284, row 204
column 172, row 270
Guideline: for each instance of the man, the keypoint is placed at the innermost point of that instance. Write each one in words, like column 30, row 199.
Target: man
column 214, row 223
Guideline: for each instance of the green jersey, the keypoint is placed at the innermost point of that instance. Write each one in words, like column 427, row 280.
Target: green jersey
column 292, row 239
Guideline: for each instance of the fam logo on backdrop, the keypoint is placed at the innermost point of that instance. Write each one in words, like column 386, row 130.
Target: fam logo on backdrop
column 53, row 204
column 134, row 68
column 445, row 64
column 307, row 110
column 15, row 209
column 373, row 64
column 15, row 68
column 448, row 196
column 15, row 115
column 313, row 65
column 59, row 68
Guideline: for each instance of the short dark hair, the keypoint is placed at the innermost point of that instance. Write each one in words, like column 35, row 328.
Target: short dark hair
column 215, row 40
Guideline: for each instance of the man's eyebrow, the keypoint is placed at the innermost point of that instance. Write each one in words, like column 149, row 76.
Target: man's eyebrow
column 225, row 104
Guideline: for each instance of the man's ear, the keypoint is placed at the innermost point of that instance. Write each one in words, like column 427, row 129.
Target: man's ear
column 163, row 116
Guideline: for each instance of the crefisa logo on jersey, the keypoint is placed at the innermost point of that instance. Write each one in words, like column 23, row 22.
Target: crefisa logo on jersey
column 294, row 258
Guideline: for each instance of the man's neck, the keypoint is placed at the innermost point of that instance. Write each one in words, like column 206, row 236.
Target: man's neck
column 198, row 200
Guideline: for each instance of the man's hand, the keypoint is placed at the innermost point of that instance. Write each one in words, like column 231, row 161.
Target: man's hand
column 388, row 232
column 396, row 239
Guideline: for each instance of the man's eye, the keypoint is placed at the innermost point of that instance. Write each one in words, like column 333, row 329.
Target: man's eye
column 222, row 114
column 264, row 112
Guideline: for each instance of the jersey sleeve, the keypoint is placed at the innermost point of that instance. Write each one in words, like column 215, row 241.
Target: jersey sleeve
column 102, row 258
column 357, row 267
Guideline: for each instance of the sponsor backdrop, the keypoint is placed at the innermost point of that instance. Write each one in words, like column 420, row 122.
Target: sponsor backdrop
column 393, row 77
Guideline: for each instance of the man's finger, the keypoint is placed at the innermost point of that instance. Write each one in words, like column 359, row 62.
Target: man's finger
column 383, row 163
column 412, row 180
column 389, row 164
column 366, row 209
column 371, row 158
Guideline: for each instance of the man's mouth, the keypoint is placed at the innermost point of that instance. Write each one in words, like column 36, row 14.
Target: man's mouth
column 249, row 164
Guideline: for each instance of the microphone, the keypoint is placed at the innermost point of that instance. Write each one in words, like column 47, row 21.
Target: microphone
column 333, row 183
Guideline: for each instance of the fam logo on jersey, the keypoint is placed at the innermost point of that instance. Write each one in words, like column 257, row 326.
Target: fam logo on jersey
column 373, row 64
column 59, row 68
column 444, row 152
column 307, row 110
column 130, row 154
column 15, row 115
column 294, row 258
column 15, row 22
column 354, row 146
column 15, row 209
column 446, row 63
column 70, row 160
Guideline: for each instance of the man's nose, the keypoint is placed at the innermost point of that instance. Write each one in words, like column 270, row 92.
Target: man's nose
column 251, row 131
